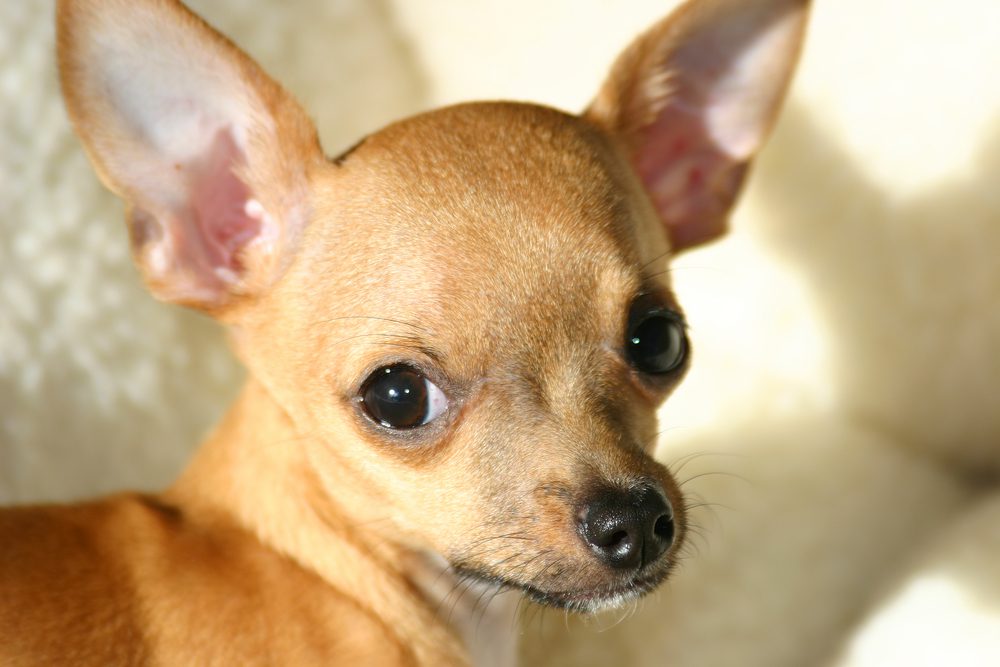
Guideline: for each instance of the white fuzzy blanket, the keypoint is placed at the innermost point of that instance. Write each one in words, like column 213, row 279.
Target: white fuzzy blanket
column 843, row 418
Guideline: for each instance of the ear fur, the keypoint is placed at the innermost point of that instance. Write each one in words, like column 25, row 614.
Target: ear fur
column 693, row 100
column 210, row 154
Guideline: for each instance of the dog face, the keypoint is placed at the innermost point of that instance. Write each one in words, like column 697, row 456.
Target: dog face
column 504, row 306
column 466, row 317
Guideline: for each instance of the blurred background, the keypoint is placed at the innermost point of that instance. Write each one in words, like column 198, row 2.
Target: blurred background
column 840, row 427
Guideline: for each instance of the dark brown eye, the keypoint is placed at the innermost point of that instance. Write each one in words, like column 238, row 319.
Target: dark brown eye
column 400, row 397
column 656, row 342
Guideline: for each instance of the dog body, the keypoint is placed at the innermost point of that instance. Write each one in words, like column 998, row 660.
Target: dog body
column 175, row 579
column 457, row 336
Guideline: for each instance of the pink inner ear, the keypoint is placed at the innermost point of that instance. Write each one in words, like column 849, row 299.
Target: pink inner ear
column 220, row 225
column 192, row 249
column 692, row 183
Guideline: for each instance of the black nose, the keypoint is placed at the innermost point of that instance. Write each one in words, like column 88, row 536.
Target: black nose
column 628, row 529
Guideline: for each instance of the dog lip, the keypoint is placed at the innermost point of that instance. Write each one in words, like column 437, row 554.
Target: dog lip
column 584, row 600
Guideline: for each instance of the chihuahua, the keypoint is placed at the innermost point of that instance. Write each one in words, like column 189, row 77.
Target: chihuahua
column 457, row 335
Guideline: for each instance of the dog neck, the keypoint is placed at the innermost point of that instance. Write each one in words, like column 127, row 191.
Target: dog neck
column 253, row 470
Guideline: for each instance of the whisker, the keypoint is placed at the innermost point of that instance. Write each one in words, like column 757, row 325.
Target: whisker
column 401, row 340
column 378, row 319
column 460, row 588
column 689, row 507
column 493, row 595
column 663, row 255
column 687, row 268
column 675, row 467
column 719, row 473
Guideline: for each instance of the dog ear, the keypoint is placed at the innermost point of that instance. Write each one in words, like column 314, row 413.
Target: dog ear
column 211, row 155
column 694, row 98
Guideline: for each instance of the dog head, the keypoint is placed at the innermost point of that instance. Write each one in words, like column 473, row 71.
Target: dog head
column 466, row 316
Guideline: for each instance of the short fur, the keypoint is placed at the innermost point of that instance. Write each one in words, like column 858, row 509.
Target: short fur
column 497, row 247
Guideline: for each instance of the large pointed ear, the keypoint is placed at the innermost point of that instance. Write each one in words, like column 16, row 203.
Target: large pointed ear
column 694, row 98
column 211, row 155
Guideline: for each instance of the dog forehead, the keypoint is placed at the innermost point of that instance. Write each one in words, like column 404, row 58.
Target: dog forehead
column 469, row 171
column 517, row 186
column 508, row 218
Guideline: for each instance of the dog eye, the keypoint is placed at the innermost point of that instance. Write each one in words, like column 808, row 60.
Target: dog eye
column 400, row 397
column 656, row 342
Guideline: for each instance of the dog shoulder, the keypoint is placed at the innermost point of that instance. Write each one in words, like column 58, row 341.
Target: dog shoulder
column 132, row 579
column 62, row 599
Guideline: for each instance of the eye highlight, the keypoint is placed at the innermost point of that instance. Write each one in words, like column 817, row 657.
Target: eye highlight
column 656, row 341
column 401, row 397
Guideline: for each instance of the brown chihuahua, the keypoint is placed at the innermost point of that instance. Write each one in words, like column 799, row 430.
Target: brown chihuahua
column 457, row 336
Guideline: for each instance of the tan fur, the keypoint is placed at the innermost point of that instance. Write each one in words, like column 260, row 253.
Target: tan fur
column 498, row 246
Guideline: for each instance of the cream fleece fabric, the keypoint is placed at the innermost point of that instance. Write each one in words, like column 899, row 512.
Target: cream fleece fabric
column 842, row 420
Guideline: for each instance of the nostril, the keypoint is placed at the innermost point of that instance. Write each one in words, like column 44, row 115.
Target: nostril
column 616, row 539
column 664, row 528
column 659, row 522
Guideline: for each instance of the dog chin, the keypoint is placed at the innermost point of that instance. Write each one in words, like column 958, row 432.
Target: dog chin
column 585, row 601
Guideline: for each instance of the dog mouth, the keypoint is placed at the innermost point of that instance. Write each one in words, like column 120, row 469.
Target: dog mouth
column 583, row 600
